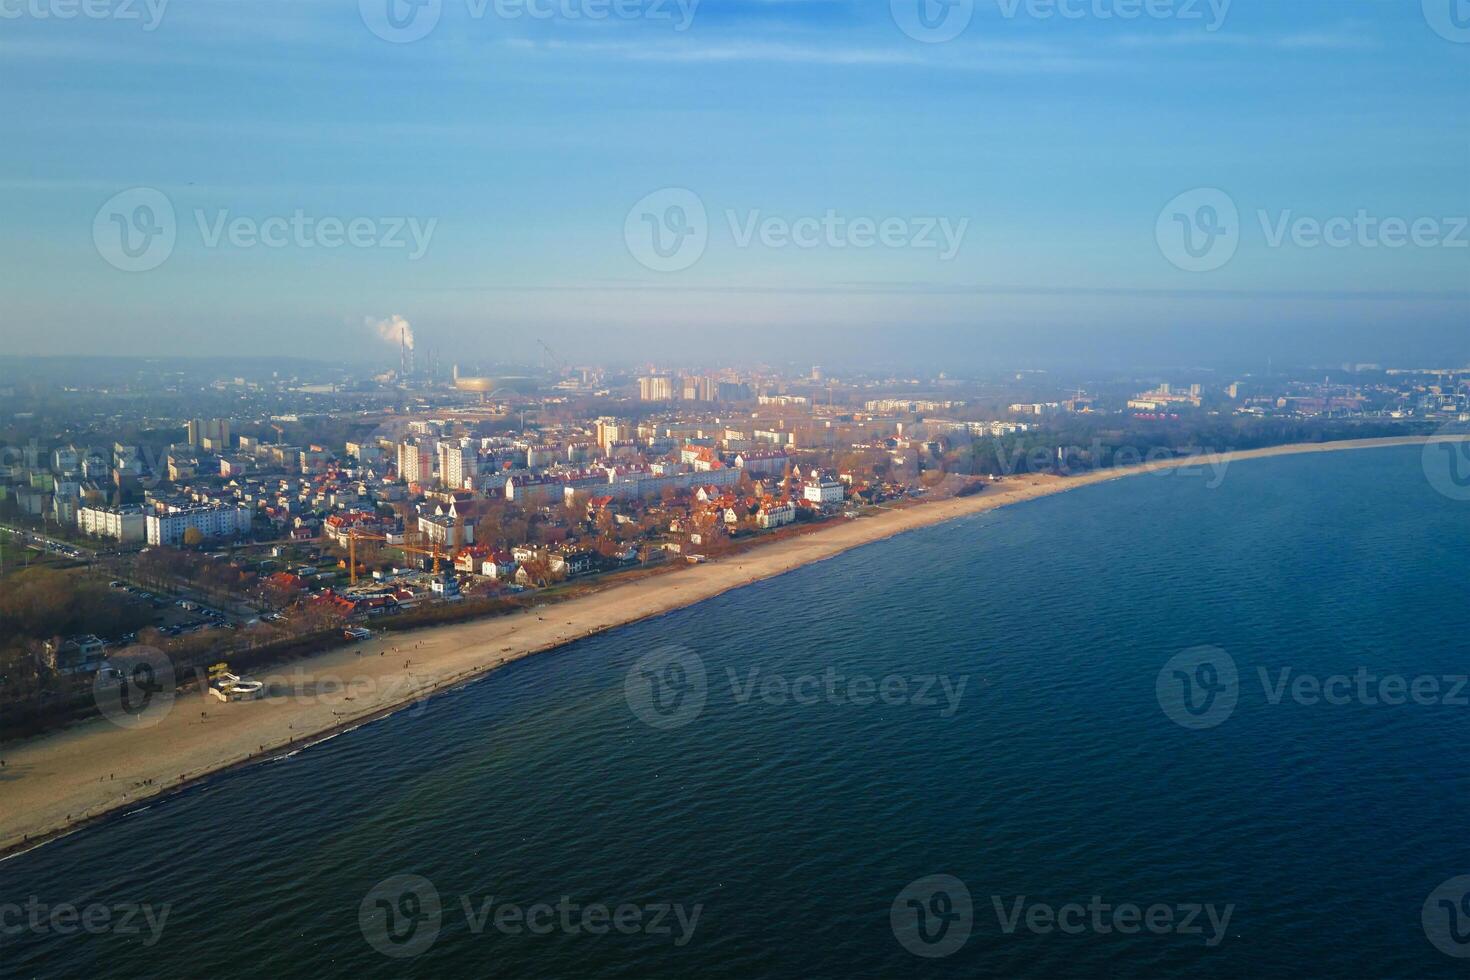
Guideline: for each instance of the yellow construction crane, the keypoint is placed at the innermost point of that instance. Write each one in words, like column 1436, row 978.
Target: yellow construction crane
column 432, row 551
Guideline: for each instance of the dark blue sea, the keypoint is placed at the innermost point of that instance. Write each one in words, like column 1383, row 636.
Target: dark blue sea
column 1150, row 728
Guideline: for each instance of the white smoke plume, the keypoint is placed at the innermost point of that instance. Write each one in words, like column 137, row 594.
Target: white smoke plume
column 394, row 330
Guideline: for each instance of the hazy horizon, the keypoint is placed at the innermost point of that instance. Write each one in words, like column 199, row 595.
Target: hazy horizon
column 869, row 188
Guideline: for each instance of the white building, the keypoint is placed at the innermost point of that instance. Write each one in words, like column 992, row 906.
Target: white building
column 825, row 492
column 212, row 522
column 65, row 460
column 415, row 463
column 768, row 461
column 122, row 524
column 456, row 465
column 775, row 515
column 656, row 388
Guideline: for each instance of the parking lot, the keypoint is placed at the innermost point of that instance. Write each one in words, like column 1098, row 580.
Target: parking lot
column 174, row 617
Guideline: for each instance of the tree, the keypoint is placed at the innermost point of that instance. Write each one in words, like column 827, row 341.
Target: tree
column 193, row 537
column 538, row 571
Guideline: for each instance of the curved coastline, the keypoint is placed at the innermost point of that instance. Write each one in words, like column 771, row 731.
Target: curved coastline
column 58, row 783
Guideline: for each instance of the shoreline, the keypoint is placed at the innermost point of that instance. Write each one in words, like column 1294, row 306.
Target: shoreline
column 60, row 782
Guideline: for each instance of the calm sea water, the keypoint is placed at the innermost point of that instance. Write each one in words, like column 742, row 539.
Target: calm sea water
column 796, row 814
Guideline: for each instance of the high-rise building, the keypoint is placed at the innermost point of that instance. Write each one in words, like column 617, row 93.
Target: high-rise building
column 699, row 388
column 66, row 460
column 127, row 459
column 656, row 388
column 415, row 463
column 456, row 464
column 217, row 431
column 610, row 431
column 732, row 391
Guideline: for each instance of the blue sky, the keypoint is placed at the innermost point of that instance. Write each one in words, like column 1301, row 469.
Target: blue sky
column 518, row 146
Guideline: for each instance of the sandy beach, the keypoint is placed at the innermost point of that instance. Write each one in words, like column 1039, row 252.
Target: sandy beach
column 55, row 783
